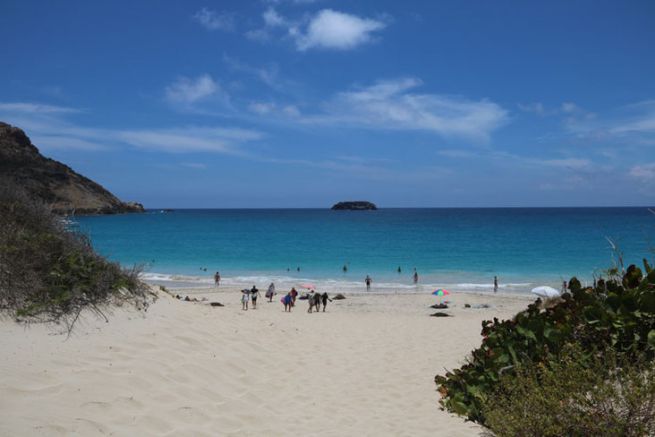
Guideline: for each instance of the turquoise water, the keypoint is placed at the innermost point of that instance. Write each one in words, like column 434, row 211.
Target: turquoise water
column 456, row 248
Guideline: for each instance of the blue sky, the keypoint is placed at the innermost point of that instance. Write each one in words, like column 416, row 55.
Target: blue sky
column 301, row 103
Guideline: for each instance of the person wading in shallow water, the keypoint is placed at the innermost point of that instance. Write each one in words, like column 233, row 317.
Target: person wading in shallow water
column 495, row 284
column 368, row 281
column 217, row 279
column 415, row 277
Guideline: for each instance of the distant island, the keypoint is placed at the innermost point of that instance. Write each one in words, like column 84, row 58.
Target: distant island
column 55, row 184
column 357, row 205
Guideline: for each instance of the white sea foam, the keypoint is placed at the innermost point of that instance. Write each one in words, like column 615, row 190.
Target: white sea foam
column 329, row 285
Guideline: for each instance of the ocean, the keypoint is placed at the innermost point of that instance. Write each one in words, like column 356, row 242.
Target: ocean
column 460, row 249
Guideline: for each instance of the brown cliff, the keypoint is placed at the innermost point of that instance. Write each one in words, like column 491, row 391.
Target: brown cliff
column 56, row 184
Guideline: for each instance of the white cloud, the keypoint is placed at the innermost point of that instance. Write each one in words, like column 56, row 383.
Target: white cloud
column 189, row 139
column 390, row 105
column 35, row 108
column 52, row 130
column 269, row 108
column 643, row 172
column 327, row 29
column 186, row 90
column 571, row 163
column 67, row 142
column 268, row 75
column 536, row 108
column 212, row 20
column 331, row 29
column 273, row 19
column 642, row 120
column 569, row 107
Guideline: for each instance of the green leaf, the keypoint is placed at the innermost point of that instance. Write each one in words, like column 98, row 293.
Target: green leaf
column 651, row 338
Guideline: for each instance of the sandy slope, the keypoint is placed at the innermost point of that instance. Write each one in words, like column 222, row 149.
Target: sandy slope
column 365, row 367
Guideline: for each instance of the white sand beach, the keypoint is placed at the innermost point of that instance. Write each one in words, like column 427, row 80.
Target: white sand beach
column 364, row 367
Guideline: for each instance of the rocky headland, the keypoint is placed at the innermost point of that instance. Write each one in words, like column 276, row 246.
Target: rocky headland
column 56, row 184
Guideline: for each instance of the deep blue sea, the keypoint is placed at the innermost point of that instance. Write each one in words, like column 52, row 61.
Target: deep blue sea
column 460, row 249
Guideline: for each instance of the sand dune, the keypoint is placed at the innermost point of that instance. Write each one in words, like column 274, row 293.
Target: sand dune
column 365, row 367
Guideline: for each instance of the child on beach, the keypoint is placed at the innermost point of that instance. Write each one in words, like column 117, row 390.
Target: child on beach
column 245, row 297
column 294, row 295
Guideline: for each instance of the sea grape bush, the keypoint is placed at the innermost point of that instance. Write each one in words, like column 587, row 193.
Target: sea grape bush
column 617, row 314
column 49, row 273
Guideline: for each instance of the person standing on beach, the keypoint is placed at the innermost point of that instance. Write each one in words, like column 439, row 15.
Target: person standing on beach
column 287, row 302
column 495, row 284
column 563, row 287
column 217, row 279
column 368, row 281
column 245, row 297
column 270, row 292
column 254, row 294
column 325, row 298
column 294, row 295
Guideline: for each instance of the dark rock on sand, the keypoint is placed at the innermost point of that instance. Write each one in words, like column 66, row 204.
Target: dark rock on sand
column 216, row 304
column 466, row 305
column 339, row 297
column 50, row 181
column 439, row 314
column 357, row 205
column 439, row 306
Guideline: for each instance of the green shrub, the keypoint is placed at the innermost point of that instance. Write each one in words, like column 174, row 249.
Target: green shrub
column 618, row 315
column 582, row 394
column 48, row 273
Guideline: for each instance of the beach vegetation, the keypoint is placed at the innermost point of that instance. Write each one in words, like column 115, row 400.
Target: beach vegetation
column 519, row 357
column 583, row 393
column 49, row 272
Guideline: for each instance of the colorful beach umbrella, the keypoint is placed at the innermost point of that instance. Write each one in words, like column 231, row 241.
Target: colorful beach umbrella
column 441, row 292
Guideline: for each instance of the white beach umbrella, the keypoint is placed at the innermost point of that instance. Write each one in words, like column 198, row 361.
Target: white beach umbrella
column 546, row 291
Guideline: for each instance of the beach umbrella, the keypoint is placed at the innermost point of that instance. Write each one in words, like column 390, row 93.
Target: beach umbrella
column 308, row 286
column 441, row 292
column 546, row 291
